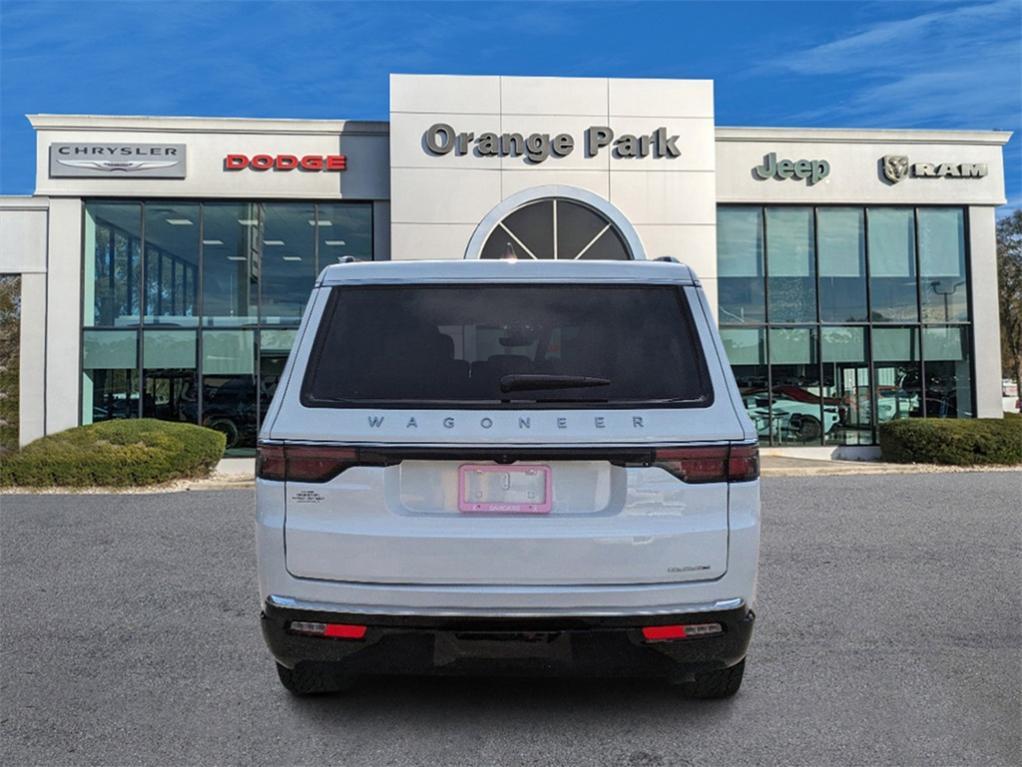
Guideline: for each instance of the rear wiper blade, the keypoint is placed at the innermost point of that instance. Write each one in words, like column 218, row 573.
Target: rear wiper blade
column 530, row 382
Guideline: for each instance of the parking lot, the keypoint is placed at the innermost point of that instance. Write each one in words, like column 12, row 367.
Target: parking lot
column 888, row 633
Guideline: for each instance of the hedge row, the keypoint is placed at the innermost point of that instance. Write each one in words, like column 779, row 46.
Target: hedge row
column 117, row 453
column 953, row 441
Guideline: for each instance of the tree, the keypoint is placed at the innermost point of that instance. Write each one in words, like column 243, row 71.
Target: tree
column 10, row 312
column 1009, row 279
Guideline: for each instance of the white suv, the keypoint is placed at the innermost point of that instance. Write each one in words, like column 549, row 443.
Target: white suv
column 508, row 466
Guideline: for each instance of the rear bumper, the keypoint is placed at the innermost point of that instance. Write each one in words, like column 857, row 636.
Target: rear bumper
column 583, row 645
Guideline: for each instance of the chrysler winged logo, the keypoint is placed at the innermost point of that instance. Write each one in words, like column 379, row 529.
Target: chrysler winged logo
column 81, row 159
column 895, row 167
column 125, row 166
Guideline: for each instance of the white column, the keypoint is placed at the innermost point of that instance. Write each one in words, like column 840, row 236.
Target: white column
column 32, row 364
column 986, row 329
column 63, row 316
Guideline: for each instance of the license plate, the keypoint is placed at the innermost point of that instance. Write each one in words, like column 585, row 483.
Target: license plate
column 504, row 489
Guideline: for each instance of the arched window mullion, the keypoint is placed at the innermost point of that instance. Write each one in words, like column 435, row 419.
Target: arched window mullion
column 521, row 244
column 592, row 242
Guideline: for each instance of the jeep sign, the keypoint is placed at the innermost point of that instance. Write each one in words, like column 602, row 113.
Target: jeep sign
column 810, row 170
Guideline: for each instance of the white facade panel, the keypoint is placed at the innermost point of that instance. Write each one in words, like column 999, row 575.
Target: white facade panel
column 664, row 198
column 209, row 143
column 856, row 173
column 64, row 315
column 587, row 96
column 417, row 242
column 517, row 180
column 22, row 237
column 651, row 98
column 449, row 196
column 449, row 94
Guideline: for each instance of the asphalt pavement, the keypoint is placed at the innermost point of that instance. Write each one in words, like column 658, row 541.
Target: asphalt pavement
column 888, row 634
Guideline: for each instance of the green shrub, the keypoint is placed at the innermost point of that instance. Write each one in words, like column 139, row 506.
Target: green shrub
column 117, row 453
column 953, row 441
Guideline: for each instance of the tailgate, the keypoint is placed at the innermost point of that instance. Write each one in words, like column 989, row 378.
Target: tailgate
column 607, row 524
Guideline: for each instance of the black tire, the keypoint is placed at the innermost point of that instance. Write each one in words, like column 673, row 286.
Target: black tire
column 226, row 427
column 808, row 428
column 715, row 685
column 312, row 679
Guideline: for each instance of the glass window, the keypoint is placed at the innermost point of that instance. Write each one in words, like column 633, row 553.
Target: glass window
column 846, row 385
column 842, row 243
column 948, row 372
column 943, row 291
column 746, row 351
column 171, row 264
column 348, row 233
column 433, row 344
column 169, row 389
column 112, row 263
column 288, row 267
column 896, row 378
column 892, row 264
column 274, row 348
column 230, row 264
column 790, row 265
column 740, row 280
column 229, row 386
column 798, row 415
column 556, row 228
column 109, row 375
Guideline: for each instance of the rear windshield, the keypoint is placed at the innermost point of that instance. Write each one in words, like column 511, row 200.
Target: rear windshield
column 506, row 346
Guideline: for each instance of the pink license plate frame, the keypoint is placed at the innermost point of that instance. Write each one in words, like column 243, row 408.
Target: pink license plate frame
column 469, row 506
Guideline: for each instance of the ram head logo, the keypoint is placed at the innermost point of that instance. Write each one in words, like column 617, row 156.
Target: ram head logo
column 895, row 167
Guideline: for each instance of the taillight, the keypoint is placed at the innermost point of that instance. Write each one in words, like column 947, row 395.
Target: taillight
column 743, row 463
column 305, row 463
column 703, row 464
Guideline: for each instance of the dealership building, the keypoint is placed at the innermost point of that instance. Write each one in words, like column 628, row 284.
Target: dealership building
column 165, row 262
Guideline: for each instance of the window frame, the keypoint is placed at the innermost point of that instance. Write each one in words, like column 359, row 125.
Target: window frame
column 919, row 324
column 139, row 286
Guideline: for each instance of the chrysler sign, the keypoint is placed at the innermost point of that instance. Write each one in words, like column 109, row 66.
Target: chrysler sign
column 117, row 160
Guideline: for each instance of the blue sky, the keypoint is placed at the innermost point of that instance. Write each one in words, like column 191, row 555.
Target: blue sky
column 839, row 64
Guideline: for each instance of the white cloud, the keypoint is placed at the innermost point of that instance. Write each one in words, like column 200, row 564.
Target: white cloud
column 959, row 67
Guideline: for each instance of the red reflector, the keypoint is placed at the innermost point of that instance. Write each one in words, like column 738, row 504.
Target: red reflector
column 662, row 633
column 344, row 631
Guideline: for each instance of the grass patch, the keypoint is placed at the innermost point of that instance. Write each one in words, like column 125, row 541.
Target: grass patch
column 953, row 441
column 121, row 453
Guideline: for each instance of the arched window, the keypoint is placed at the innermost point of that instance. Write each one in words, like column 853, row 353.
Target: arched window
column 556, row 228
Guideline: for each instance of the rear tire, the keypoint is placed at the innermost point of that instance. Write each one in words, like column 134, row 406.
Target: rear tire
column 715, row 685
column 312, row 679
